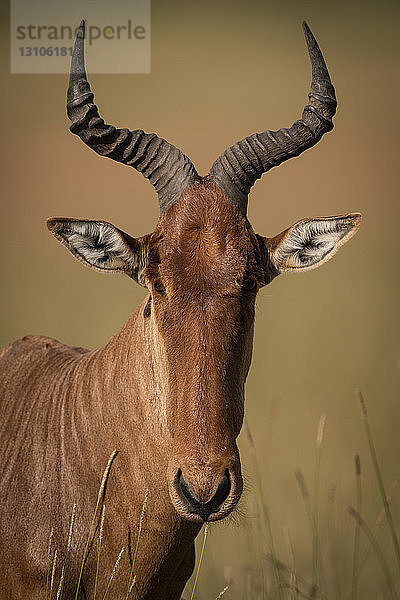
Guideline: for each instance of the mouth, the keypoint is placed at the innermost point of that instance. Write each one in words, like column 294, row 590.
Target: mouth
column 224, row 498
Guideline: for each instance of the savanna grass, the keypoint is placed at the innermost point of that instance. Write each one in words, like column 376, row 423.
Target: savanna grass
column 200, row 562
column 101, row 533
column 378, row 473
column 52, row 564
column 131, row 581
column 264, row 511
column 356, row 548
column 99, row 499
column 68, row 549
column 294, row 584
column 117, row 562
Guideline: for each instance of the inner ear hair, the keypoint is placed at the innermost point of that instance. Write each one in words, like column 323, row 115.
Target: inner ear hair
column 98, row 244
column 311, row 242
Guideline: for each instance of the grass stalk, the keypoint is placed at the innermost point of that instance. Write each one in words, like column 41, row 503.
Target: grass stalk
column 300, row 593
column 53, row 572
column 49, row 561
column 356, row 547
column 265, row 512
column 305, row 493
column 378, row 474
column 222, row 592
column 200, row 561
column 68, row 549
column 376, row 548
column 60, row 585
column 311, row 514
column 300, row 580
column 379, row 520
column 132, row 585
column 293, row 579
column 334, row 552
column 99, row 550
column 316, row 562
column 132, row 571
column 99, row 498
column 259, row 550
column 253, row 541
column 114, row 571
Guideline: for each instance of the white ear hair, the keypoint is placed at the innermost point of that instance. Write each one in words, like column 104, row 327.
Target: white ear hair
column 96, row 243
column 311, row 242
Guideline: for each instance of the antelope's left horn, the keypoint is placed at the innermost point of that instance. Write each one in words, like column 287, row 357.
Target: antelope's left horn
column 166, row 167
column 237, row 169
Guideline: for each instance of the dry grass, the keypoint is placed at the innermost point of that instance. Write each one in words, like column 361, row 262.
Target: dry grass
column 132, row 579
column 100, row 498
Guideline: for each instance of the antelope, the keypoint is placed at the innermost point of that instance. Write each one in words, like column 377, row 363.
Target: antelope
column 167, row 391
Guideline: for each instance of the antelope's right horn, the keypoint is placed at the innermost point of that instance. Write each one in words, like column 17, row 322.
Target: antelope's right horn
column 166, row 167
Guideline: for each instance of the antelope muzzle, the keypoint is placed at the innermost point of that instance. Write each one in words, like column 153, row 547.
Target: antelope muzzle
column 206, row 492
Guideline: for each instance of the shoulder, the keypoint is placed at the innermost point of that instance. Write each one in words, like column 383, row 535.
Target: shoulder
column 30, row 343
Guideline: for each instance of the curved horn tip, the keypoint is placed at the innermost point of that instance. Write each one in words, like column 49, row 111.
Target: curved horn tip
column 81, row 30
column 308, row 34
column 78, row 71
column 306, row 29
column 319, row 69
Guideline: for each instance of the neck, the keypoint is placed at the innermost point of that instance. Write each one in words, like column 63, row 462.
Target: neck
column 125, row 397
column 126, row 375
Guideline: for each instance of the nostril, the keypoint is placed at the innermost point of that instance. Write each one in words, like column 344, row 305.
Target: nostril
column 223, row 489
column 205, row 509
column 187, row 491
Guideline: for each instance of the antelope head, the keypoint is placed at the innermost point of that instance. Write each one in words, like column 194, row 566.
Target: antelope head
column 203, row 266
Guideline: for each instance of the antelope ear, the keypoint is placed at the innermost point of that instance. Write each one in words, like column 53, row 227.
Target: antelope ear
column 99, row 245
column 311, row 242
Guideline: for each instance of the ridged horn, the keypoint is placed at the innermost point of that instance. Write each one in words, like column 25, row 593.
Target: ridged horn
column 166, row 167
column 236, row 170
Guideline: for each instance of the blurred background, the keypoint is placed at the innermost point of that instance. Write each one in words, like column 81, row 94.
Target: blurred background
column 221, row 71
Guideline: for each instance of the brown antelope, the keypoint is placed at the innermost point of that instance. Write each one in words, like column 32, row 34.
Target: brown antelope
column 168, row 390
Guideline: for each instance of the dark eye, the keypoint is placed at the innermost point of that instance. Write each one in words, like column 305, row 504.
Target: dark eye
column 249, row 284
column 159, row 286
